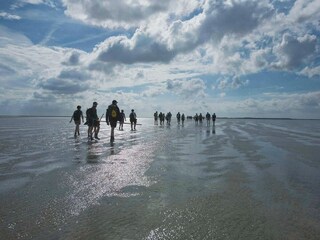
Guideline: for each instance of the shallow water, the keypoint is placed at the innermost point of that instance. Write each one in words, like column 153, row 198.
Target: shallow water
column 242, row 179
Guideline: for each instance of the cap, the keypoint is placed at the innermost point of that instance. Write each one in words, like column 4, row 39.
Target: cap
column 95, row 103
column 114, row 102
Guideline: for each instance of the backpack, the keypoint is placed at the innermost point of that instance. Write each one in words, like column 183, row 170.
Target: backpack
column 88, row 112
column 113, row 112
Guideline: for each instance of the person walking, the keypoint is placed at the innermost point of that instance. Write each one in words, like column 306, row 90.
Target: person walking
column 208, row 117
column 122, row 119
column 178, row 117
column 112, row 116
column 133, row 120
column 168, row 118
column 214, row 118
column 92, row 118
column 200, row 118
column 76, row 117
column 182, row 118
column 155, row 116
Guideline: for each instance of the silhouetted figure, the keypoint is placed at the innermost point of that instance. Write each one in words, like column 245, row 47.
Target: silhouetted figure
column 200, row 118
column 122, row 119
column 155, row 116
column 214, row 118
column 182, row 118
column 112, row 116
column 178, row 117
column 196, row 118
column 208, row 118
column 92, row 121
column 77, row 116
column 161, row 117
column 168, row 118
column 133, row 120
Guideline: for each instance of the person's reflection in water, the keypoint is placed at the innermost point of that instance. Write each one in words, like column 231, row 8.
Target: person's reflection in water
column 112, row 152
column 208, row 132
column 214, row 129
column 92, row 156
column 77, row 150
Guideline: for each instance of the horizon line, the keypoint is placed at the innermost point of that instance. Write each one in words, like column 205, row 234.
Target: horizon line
column 271, row 118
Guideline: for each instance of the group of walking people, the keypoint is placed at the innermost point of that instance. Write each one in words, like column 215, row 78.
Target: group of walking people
column 113, row 115
column 181, row 118
column 199, row 118
column 162, row 117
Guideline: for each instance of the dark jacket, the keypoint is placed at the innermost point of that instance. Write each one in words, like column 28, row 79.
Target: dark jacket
column 112, row 113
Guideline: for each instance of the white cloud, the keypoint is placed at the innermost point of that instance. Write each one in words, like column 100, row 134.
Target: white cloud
column 294, row 51
column 9, row 16
column 187, row 88
column 233, row 82
column 163, row 39
column 305, row 11
column 21, row 3
column 296, row 105
column 311, row 71
column 126, row 13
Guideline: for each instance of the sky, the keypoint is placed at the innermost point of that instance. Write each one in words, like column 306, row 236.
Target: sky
column 237, row 58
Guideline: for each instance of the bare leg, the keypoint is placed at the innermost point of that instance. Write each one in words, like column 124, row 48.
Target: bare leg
column 112, row 135
column 96, row 131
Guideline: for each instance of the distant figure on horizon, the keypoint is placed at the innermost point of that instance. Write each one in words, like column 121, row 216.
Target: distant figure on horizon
column 92, row 118
column 161, row 117
column 196, row 118
column 200, row 118
column 168, row 118
column 76, row 116
column 208, row 117
column 178, row 117
column 182, row 118
column 112, row 116
column 133, row 120
column 155, row 116
column 122, row 119
column 214, row 118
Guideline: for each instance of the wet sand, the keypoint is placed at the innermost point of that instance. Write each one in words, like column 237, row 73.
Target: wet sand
column 242, row 179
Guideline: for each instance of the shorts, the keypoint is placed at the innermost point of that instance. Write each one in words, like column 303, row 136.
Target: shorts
column 90, row 122
column 133, row 120
column 96, row 123
column 113, row 124
column 77, row 122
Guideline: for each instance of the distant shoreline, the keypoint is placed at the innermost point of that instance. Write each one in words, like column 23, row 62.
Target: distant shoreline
column 253, row 118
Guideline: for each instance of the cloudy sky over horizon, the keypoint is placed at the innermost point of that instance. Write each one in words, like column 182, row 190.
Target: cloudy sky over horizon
column 257, row 58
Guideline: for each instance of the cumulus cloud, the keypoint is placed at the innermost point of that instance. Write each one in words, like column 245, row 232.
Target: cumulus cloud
column 125, row 13
column 217, row 19
column 72, row 59
column 305, row 11
column 311, row 71
column 294, row 51
column 141, row 48
column 63, row 86
column 187, row 88
column 74, row 74
column 299, row 105
column 235, row 18
column 22, row 3
column 231, row 83
column 9, row 16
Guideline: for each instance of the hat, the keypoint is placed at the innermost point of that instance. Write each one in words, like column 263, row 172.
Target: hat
column 114, row 102
column 132, row 110
column 78, row 107
column 95, row 103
